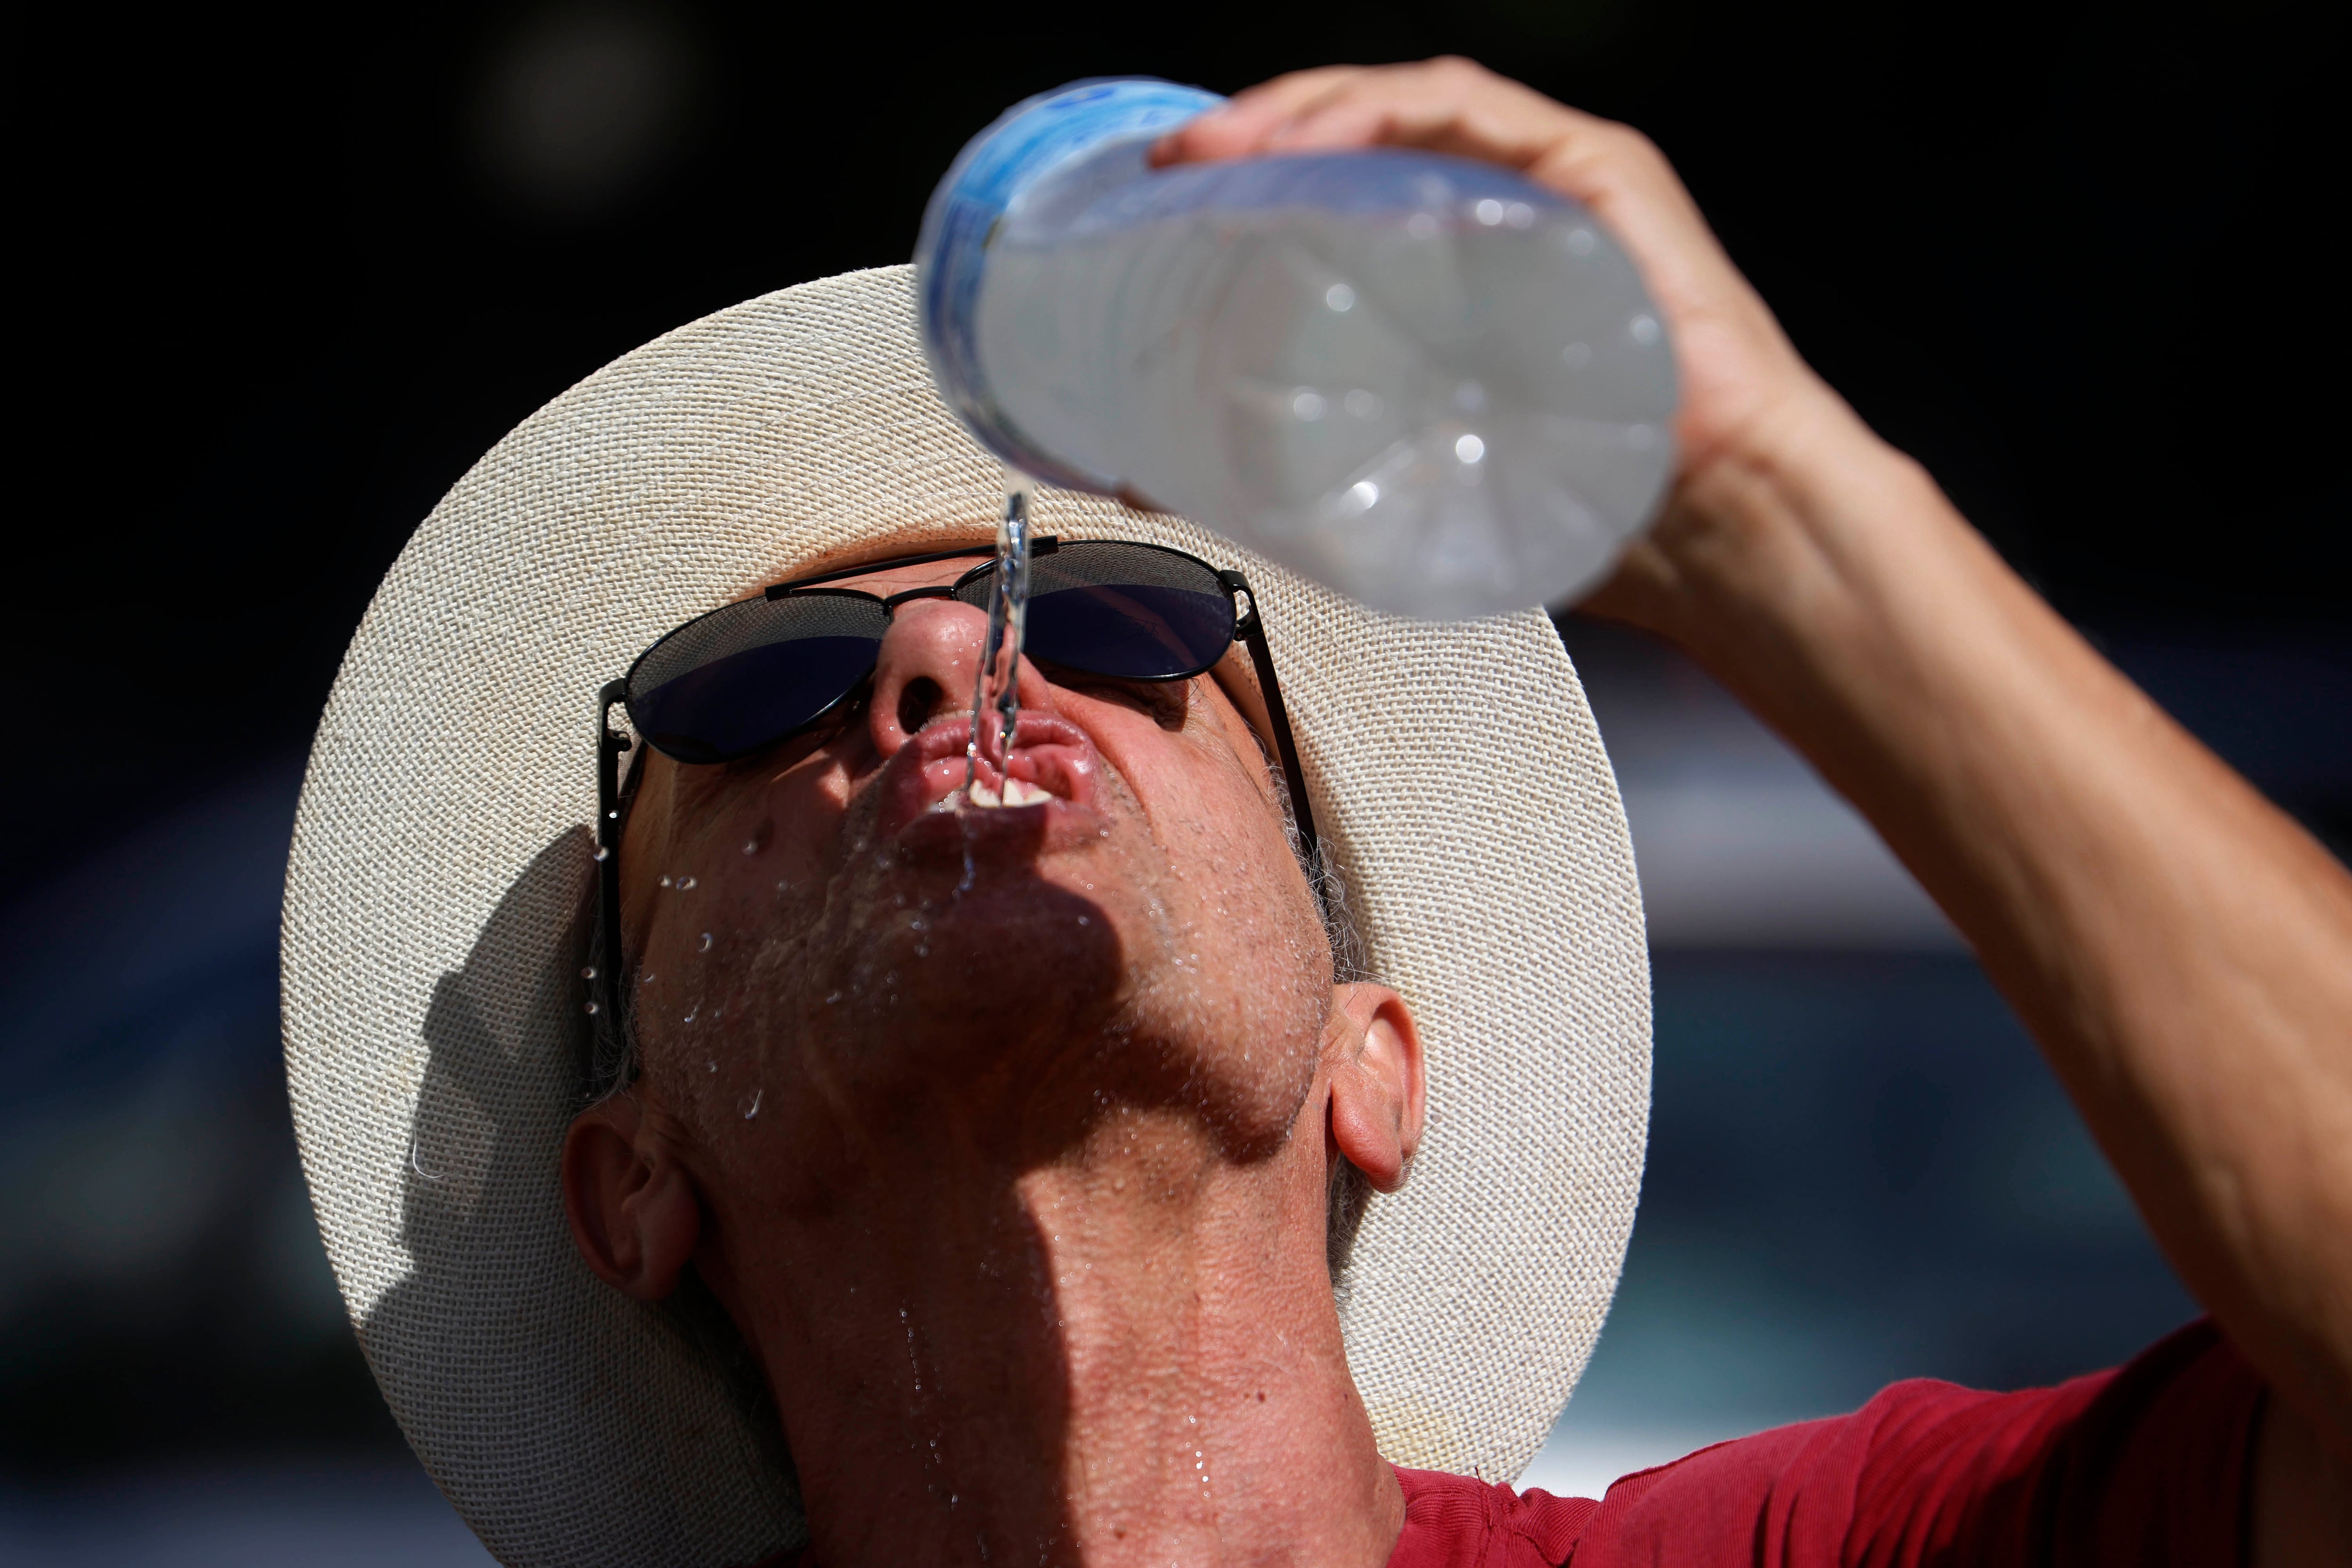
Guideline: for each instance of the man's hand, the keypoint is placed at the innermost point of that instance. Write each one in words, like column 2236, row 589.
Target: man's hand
column 1740, row 377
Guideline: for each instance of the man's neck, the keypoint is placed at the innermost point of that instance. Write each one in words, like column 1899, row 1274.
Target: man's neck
column 1127, row 1355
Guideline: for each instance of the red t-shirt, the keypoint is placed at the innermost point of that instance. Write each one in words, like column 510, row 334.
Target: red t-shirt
column 2144, row 1467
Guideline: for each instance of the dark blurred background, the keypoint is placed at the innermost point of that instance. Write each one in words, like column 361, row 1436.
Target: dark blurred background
column 287, row 275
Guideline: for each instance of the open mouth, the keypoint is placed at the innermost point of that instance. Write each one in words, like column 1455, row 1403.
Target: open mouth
column 1052, row 772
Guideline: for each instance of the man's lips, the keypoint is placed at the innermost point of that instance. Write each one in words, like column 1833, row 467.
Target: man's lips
column 1053, row 771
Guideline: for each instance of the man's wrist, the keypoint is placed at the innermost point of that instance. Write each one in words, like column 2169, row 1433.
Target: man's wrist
column 1771, row 524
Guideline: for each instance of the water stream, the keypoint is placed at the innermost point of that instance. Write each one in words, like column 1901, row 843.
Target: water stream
column 996, row 685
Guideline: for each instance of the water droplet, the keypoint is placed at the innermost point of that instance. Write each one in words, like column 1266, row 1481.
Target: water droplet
column 753, row 1109
column 1085, row 919
column 1644, row 329
column 690, row 1016
column 589, row 973
column 751, row 847
column 592, row 1008
column 601, row 853
column 1518, row 214
column 684, row 883
column 1576, row 355
column 710, row 1067
column 1340, row 298
column 706, row 941
column 1489, row 211
column 829, row 1001
column 1308, row 404
column 1469, row 448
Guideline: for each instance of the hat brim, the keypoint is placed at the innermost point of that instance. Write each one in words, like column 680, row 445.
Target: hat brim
column 431, row 938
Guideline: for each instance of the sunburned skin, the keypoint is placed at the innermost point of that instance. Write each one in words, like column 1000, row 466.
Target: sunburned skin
column 1017, row 1190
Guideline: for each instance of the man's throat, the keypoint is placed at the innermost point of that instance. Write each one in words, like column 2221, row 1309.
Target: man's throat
column 1127, row 1355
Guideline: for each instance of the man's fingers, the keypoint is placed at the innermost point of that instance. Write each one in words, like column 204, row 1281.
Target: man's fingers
column 1346, row 120
column 1440, row 106
column 1429, row 123
column 1242, row 125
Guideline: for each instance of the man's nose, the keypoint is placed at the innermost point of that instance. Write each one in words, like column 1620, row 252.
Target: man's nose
column 930, row 659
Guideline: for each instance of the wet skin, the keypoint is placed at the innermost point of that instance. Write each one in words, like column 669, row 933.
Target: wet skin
column 1151, row 899
column 1015, row 1176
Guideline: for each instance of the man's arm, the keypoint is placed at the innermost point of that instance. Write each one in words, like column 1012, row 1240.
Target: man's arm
column 2180, row 948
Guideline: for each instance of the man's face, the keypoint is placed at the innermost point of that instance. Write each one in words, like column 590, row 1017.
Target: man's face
column 828, row 958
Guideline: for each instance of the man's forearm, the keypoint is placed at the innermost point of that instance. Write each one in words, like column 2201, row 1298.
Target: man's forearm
column 2182, row 951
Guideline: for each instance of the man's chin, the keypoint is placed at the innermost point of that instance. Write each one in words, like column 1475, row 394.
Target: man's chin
column 1030, row 1006
column 1007, row 921
column 961, row 982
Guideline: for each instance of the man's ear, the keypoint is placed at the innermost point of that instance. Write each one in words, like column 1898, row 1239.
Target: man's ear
column 635, row 1216
column 1377, row 1084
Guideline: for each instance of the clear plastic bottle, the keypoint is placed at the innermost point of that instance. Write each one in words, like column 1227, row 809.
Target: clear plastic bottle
column 1426, row 382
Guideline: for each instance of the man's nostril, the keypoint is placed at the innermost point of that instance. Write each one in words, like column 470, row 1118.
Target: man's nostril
column 917, row 700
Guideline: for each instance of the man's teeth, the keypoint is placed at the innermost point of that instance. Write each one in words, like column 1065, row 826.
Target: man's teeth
column 1017, row 792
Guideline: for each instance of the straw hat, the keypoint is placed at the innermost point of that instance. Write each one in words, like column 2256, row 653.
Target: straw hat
column 434, row 906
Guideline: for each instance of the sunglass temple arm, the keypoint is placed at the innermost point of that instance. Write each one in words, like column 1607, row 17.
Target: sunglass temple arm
column 1251, row 629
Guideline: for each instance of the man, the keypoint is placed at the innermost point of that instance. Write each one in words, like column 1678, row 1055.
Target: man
column 1001, row 1157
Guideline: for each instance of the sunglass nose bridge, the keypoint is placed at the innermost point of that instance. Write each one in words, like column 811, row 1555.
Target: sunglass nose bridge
column 934, row 591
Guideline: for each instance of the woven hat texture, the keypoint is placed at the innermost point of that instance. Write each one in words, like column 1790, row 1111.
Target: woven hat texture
column 432, row 934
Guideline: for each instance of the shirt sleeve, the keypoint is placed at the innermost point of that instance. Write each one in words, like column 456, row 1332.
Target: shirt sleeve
column 2144, row 1465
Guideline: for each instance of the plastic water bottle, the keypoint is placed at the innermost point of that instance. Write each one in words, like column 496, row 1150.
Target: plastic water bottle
column 1423, row 381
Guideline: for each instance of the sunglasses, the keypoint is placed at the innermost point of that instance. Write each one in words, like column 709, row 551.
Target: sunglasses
column 755, row 673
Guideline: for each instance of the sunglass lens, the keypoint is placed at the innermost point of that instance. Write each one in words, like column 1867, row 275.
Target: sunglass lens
column 1134, row 612
column 746, row 676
